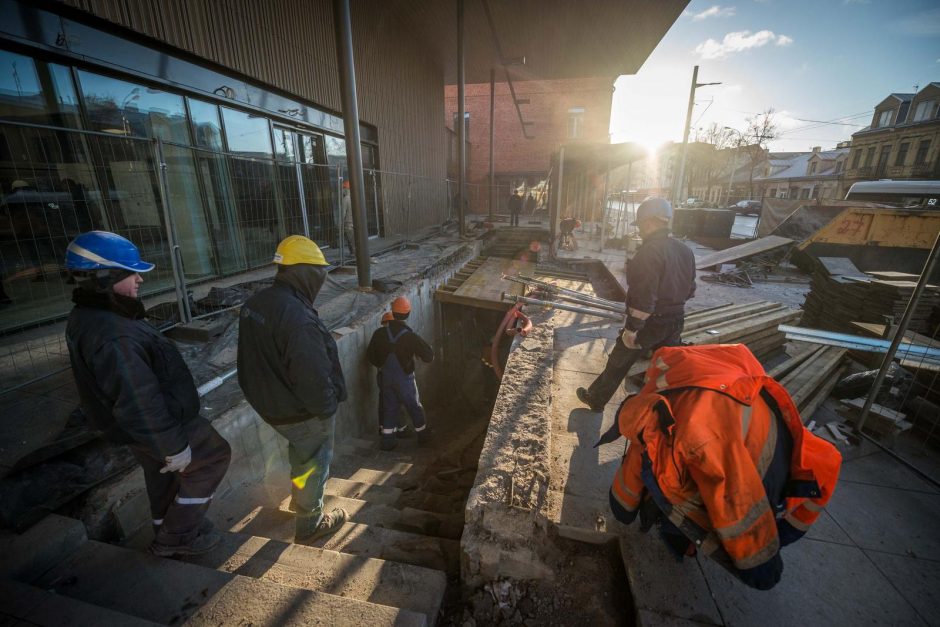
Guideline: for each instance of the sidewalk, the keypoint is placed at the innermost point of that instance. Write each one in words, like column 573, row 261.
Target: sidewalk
column 872, row 558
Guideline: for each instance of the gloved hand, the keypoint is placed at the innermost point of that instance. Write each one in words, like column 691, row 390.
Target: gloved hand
column 178, row 462
column 628, row 338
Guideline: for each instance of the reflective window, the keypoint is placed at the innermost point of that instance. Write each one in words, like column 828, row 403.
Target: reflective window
column 206, row 126
column 247, row 133
column 36, row 92
column 335, row 150
column 122, row 108
column 311, row 147
column 283, row 144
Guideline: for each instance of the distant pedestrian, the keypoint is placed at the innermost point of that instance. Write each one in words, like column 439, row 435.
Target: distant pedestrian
column 135, row 389
column 515, row 208
column 392, row 350
column 529, row 204
column 349, row 233
column 289, row 370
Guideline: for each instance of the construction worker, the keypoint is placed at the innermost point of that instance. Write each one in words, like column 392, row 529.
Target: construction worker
column 386, row 318
column 289, row 370
column 515, row 208
column 719, row 459
column 393, row 350
column 135, row 389
column 348, row 231
column 660, row 278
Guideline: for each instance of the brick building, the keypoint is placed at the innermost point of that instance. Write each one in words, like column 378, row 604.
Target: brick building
column 555, row 112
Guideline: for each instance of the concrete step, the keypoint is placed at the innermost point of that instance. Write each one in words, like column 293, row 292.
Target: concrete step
column 170, row 592
column 383, row 494
column 427, row 501
column 32, row 606
column 28, row 555
column 352, row 576
column 365, row 540
column 402, row 476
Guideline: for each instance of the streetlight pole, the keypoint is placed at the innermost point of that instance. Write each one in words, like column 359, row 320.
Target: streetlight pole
column 734, row 163
column 677, row 189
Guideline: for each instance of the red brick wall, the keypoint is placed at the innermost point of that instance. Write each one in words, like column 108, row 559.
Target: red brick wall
column 549, row 102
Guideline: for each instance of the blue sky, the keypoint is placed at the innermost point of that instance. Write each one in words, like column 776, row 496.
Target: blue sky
column 822, row 60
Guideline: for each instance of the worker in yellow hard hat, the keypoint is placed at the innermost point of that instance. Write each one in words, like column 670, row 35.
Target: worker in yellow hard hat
column 392, row 350
column 289, row 370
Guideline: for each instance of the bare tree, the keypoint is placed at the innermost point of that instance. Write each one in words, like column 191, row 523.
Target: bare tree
column 761, row 129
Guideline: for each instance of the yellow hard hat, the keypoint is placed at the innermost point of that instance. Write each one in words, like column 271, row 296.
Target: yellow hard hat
column 299, row 249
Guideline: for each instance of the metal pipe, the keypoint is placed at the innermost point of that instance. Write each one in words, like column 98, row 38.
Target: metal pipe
column 561, row 290
column 461, row 121
column 176, row 261
column 510, row 298
column 342, row 21
column 492, row 141
column 899, row 332
column 929, row 354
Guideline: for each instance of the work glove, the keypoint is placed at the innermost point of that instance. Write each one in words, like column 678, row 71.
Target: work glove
column 628, row 338
column 178, row 462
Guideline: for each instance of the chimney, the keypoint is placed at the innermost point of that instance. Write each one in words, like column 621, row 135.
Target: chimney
column 816, row 149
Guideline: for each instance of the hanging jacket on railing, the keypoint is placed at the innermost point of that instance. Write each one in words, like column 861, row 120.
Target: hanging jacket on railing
column 719, row 448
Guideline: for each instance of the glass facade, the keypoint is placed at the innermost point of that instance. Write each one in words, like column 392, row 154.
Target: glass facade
column 78, row 151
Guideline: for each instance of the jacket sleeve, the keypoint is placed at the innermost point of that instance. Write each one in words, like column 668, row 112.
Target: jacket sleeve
column 645, row 271
column 627, row 488
column 372, row 352
column 422, row 349
column 310, row 369
column 123, row 370
column 738, row 509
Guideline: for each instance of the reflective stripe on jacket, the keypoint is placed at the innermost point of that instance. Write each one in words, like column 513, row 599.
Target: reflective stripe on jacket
column 703, row 432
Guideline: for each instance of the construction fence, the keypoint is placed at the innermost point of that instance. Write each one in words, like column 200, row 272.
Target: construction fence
column 198, row 213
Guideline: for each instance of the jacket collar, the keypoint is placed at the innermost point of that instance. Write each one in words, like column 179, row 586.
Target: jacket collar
column 109, row 301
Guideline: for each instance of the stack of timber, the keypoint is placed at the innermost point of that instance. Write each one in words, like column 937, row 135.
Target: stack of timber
column 841, row 295
column 752, row 324
column 810, row 375
column 882, row 421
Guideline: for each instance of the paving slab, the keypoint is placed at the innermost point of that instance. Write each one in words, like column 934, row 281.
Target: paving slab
column 582, row 470
column 646, row 618
column 822, row 584
column 917, row 580
column 883, row 470
column 896, row 521
column 582, row 354
column 662, row 585
column 826, row 529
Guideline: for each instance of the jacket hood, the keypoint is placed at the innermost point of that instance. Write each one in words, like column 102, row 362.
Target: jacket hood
column 727, row 368
column 306, row 279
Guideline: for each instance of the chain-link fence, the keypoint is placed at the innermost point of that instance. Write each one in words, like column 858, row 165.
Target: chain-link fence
column 197, row 213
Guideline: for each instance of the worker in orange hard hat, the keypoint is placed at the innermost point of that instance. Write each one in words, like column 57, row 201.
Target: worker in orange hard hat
column 386, row 318
column 393, row 350
column 348, row 231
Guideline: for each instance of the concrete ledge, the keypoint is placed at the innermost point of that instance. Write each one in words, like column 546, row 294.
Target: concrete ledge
column 506, row 527
column 28, row 555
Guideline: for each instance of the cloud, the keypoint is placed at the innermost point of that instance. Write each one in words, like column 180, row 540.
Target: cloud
column 923, row 24
column 712, row 11
column 738, row 42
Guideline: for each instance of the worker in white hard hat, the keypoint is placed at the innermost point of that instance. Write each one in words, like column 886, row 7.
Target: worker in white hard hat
column 289, row 370
column 660, row 278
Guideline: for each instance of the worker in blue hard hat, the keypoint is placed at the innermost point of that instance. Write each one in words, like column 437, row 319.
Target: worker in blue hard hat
column 660, row 278
column 135, row 389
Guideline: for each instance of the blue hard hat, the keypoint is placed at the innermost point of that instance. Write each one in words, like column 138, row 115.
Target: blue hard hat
column 101, row 250
column 653, row 208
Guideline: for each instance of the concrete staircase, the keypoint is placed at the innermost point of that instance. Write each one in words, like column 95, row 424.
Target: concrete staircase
column 388, row 565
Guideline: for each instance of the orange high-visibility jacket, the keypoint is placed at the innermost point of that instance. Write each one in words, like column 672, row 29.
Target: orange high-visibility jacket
column 704, row 425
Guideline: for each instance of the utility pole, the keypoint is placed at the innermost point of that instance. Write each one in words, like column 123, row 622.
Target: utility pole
column 461, row 121
column 492, row 141
column 677, row 189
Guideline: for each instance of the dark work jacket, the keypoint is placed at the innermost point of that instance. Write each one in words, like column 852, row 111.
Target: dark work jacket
column 515, row 204
column 133, row 384
column 406, row 347
column 661, row 276
column 288, row 364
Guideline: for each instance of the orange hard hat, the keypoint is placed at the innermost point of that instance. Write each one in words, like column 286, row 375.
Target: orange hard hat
column 401, row 305
column 387, row 317
column 346, row 184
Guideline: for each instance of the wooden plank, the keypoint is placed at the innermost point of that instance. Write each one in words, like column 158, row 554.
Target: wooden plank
column 818, row 375
column 790, row 364
column 729, row 313
column 812, row 404
column 483, row 286
column 743, row 251
column 840, row 266
column 880, row 410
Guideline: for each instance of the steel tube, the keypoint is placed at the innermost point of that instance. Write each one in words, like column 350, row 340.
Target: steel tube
column 342, row 21
column 899, row 332
column 872, row 345
column 561, row 290
column 609, row 315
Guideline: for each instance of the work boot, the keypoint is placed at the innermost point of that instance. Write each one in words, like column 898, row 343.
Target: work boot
column 306, row 532
column 585, row 398
column 205, row 527
column 201, row 544
column 425, row 436
column 388, row 442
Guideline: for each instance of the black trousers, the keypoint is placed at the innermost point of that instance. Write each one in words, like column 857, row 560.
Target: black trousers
column 658, row 332
column 513, row 219
column 179, row 500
